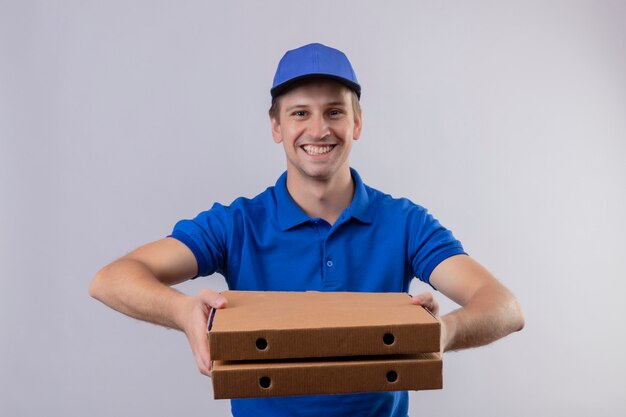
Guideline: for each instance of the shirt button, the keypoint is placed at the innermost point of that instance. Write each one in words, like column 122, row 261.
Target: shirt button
column 329, row 263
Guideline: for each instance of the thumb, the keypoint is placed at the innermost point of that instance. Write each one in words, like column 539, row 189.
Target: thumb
column 427, row 301
column 212, row 298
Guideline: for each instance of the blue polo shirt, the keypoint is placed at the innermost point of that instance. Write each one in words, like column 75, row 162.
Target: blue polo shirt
column 378, row 244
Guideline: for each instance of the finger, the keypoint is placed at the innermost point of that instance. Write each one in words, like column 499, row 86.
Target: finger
column 204, row 365
column 203, row 359
column 427, row 301
column 197, row 330
column 424, row 299
column 200, row 347
column 212, row 298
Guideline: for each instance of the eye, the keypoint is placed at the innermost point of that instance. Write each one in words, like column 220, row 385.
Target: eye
column 299, row 113
column 335, row 112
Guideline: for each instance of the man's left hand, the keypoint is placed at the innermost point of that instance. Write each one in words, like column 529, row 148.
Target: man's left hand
column 431, row 304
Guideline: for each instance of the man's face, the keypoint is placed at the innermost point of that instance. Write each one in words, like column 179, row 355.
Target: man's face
column 316, row 126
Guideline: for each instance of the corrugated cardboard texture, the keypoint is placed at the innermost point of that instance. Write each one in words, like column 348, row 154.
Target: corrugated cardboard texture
column 275, row 325
column 326, row 376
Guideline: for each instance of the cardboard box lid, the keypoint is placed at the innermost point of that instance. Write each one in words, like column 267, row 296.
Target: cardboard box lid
column 319, row 324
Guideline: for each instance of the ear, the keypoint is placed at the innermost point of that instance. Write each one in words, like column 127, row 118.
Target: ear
column 358, row 124
column 276, row 131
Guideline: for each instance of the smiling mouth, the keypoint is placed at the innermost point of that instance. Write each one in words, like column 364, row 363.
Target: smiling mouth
column 317, row 150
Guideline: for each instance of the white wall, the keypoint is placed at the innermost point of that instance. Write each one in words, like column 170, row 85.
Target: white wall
column 505, row 119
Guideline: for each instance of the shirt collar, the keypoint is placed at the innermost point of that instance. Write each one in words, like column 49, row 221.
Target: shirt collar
column 291, row 215
column 360, row 206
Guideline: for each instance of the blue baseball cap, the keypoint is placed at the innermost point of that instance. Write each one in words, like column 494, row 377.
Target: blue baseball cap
column 311, row 61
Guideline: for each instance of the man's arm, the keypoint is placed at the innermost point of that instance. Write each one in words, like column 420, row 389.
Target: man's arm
column 138, row 285
column 488, row 309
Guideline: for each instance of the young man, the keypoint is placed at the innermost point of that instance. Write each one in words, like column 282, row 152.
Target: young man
column 319, row 228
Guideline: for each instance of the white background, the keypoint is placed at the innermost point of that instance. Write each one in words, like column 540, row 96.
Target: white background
column 118, row 118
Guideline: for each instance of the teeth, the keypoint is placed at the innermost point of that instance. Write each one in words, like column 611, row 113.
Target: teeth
column 317, row 150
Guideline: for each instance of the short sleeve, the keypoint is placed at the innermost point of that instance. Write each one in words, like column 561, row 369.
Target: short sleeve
column 429, row 243
column 206, row 236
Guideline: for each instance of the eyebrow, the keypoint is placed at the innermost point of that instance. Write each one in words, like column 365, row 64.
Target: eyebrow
column 330, row 103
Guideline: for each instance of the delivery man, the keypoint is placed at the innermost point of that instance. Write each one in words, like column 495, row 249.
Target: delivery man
column 318, row 228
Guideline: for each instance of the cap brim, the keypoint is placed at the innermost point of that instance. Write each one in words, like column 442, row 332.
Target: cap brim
column 287, row 85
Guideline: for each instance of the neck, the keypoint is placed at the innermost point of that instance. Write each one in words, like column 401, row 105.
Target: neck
column 325, row 199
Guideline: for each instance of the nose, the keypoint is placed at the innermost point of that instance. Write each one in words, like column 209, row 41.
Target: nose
column 318, row 127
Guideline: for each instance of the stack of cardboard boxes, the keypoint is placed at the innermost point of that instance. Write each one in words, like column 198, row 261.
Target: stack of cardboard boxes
column 267, row 344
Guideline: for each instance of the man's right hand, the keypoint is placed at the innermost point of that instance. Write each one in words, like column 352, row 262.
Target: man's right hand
column 194, row 323
column 139, row 285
